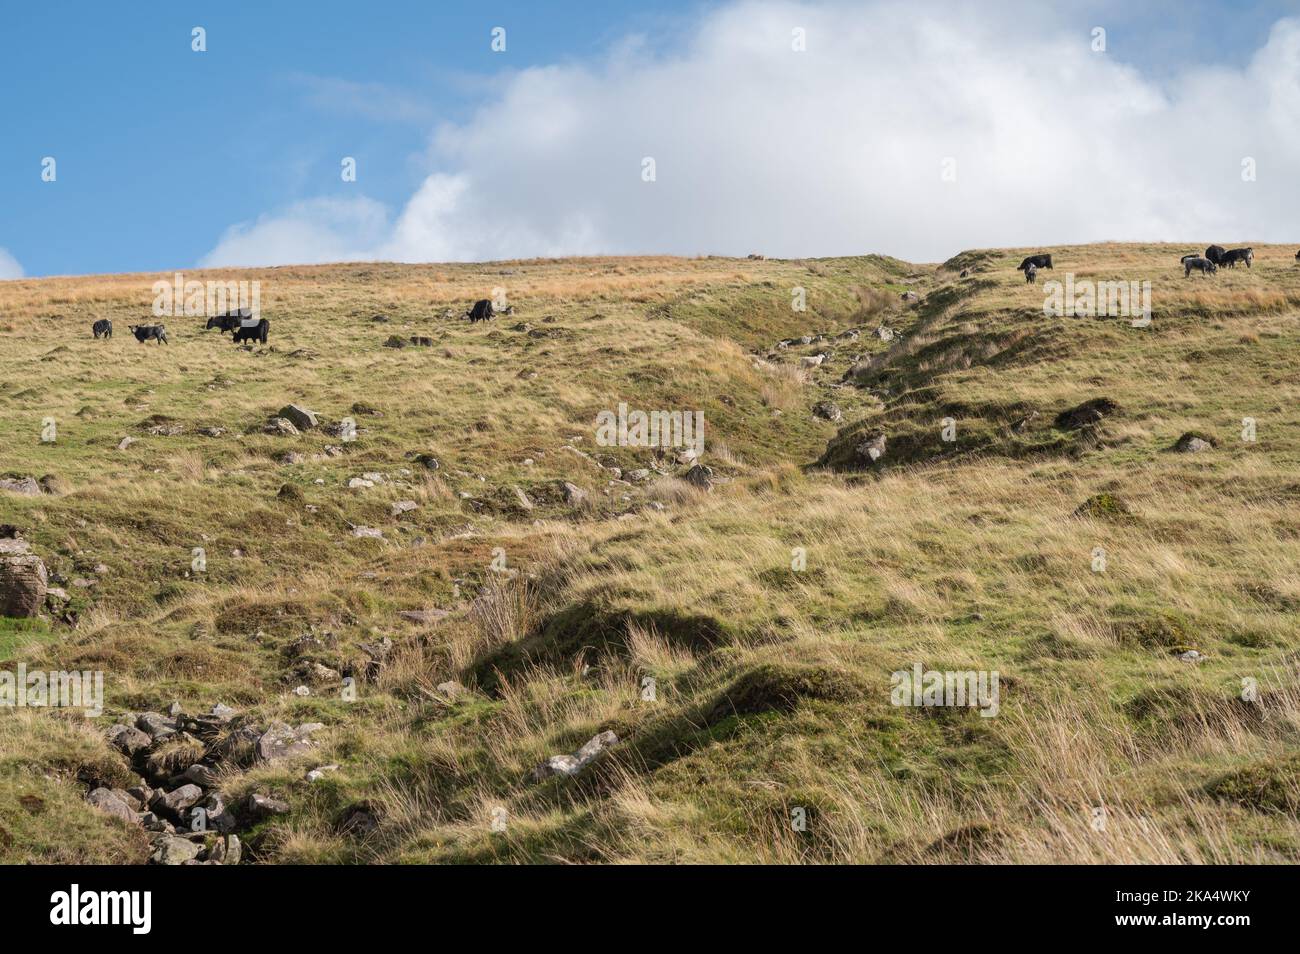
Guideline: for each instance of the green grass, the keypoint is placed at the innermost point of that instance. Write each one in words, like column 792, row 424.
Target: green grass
column 772, row 684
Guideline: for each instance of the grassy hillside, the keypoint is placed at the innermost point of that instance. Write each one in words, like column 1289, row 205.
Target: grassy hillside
column 771, row 684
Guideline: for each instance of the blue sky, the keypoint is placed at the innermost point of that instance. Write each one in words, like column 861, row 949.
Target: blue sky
column 161, row 151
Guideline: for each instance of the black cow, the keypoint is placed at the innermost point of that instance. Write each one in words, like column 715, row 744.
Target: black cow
column 255, row 332
column 484, row 310
column 1031, row 273
column 1186, row 257
column 1297, row 256
column 1204, row 265
column 230, row 320
column 1038, row 261
column 1215, row 254
column 145, row 333
column 1233, row 256
column 102, row 328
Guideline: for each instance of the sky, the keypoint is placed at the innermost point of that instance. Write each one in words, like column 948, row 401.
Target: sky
column 916, row 128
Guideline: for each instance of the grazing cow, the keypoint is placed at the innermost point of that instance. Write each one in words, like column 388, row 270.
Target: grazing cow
column 1038, row 261
column 1297, row 256
column 1233, row 256
column 230, row 320
column 484, row 310
column 1215, row 254
column 1204, row 265
column 102, row 328
column 250, row 330
column 145, row 333
column 1031, row 273
column 1193, row 255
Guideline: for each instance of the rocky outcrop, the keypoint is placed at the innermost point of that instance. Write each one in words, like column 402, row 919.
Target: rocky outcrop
column 575, row 763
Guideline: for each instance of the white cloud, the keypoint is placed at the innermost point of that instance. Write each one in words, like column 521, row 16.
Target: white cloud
column 838, row 149
column 9, row 267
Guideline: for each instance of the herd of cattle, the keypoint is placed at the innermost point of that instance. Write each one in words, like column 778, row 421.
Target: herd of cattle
column 1206, row 264
column 243, row 326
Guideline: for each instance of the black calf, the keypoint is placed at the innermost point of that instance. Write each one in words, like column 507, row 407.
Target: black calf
column 145, row 333
column 102, row 328
column 257, row 332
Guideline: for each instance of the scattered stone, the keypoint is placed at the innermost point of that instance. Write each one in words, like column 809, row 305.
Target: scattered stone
column 369, row 533
column 828, row 411
column 1087, row 414
column 700, row 475
column 395, row 341
column 404, row 506
column 1194, row 443
column 427, row 461
column 263, row 806
column 173, row 850
column 281, row 741
column 24, row 581
column 227, row 851
column 359, row 483
column 871, row 449
column 289, row 458
column 171, row 804
column 299, row 416
column 200, row 775
column 318, row 773
column 573, row 494
column 1191, row 655
column 638, row 475
column 128, row 739
column 27, row 486
column 280, row 426
column 572, row 764
column 302, row 691
column 106, row 800
column 155, row 725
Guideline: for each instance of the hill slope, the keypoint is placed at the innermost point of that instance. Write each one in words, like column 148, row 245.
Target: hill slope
column 1078, row 556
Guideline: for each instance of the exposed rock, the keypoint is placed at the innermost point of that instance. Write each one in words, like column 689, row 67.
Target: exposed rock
column 155, row 725
column 1087, row 414
column 264, row 806
column 638, row 475
column 871, row 449
column 573, row 494
column 700, row 475
column 226, row 851
column 200, row 775
column 427, row 461
column 395, row 341
column 27, row 486
column 281, row 741
column 404, row 506
column 23, row 579
column 360, row 483
column 173, row 850
column 299, row 417
column 318, row 773
column 1193, row 443
column 522, row 498
column 127, row 739
column 280, row 426
column 106, row 800
column 828, row 411
column 368, row 533
column 572, row 764
column 451, row 690
column 171, row 804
